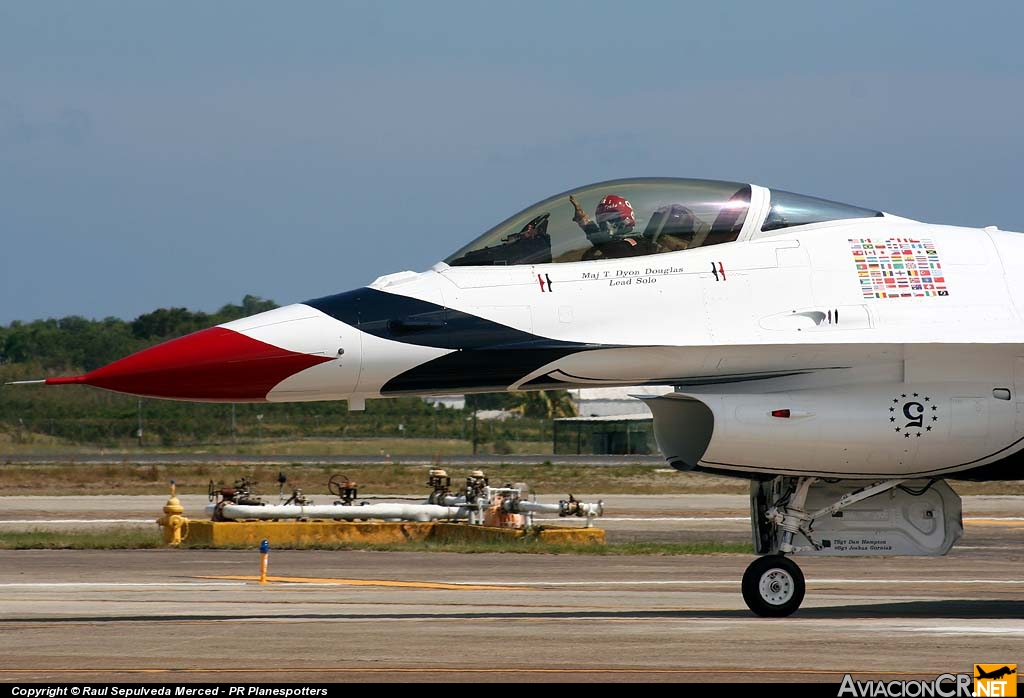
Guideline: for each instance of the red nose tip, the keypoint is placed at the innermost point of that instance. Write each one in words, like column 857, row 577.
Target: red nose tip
column 213, row 365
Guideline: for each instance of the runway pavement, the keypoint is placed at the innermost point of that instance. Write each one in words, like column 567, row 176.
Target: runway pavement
column 184, row 616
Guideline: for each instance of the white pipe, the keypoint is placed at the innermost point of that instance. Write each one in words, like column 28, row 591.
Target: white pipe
column 520, row 506
column 403, row 512
column 587, row 509
column 457, row 500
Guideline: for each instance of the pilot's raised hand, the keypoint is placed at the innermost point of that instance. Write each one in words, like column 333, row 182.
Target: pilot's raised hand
column 580, row 216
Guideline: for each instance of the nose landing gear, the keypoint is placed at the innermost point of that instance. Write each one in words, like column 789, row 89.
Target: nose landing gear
column 813, row 517
column 773, row 586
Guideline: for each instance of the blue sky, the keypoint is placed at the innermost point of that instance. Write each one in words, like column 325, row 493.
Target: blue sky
column 159, row 154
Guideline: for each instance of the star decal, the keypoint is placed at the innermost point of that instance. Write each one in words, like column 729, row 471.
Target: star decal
column 909, row 412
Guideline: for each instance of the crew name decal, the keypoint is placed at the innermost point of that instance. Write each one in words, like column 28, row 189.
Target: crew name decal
column 641, row 276
column 630, row 277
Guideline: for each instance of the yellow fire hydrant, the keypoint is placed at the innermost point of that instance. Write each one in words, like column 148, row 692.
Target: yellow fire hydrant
column 172, row 521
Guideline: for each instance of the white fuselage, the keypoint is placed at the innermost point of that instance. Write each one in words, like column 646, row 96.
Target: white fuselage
column 796, row 320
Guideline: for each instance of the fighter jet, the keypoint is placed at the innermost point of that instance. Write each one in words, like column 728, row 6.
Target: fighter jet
column 844, row 360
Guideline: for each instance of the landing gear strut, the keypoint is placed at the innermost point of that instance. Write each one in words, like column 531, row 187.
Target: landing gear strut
column 773, row 585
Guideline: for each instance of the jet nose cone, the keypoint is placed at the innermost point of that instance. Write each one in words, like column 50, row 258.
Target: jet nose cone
column 213, row 365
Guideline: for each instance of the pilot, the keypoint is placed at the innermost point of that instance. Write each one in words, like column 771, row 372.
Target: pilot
column 610, row 231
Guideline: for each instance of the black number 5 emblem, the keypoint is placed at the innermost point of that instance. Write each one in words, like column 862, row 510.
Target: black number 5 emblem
column 914, row 411
column 921, row 416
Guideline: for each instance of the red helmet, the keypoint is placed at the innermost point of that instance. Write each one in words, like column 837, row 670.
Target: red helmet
column 615, row 209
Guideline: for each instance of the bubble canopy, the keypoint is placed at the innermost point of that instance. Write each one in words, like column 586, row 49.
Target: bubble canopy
column 636, row 217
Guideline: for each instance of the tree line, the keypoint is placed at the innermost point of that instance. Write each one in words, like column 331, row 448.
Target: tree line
column 75, row 343
column 86, row 415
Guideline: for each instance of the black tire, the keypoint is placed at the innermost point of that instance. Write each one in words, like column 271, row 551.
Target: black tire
column 773, row 586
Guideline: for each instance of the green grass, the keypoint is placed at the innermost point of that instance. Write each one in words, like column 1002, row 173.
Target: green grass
column 109, row 539
column 44, row 445
column 128, row 478
column 66, row 477
column 131, row 539
column 388, row 447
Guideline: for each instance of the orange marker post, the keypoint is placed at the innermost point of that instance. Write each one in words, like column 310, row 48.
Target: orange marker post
column 264, row 554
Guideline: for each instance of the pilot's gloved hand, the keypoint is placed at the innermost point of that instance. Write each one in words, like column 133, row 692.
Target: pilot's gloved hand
column 580, row 215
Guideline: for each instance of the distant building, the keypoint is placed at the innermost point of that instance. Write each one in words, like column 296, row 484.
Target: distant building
column 496, row 415
column 606, row 402
column 610, row 421
column 590, row 402
column 455, row 402
column 614, row 434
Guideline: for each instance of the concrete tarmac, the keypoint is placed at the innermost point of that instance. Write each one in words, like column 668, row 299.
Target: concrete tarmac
column 187, row 616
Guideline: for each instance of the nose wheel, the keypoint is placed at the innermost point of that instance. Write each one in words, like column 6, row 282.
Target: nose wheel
column 773, row 586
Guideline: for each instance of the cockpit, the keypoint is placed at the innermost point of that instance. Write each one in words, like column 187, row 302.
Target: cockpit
column 637, row 217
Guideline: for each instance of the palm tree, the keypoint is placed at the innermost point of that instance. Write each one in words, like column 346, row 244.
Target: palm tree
column 545, row 404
